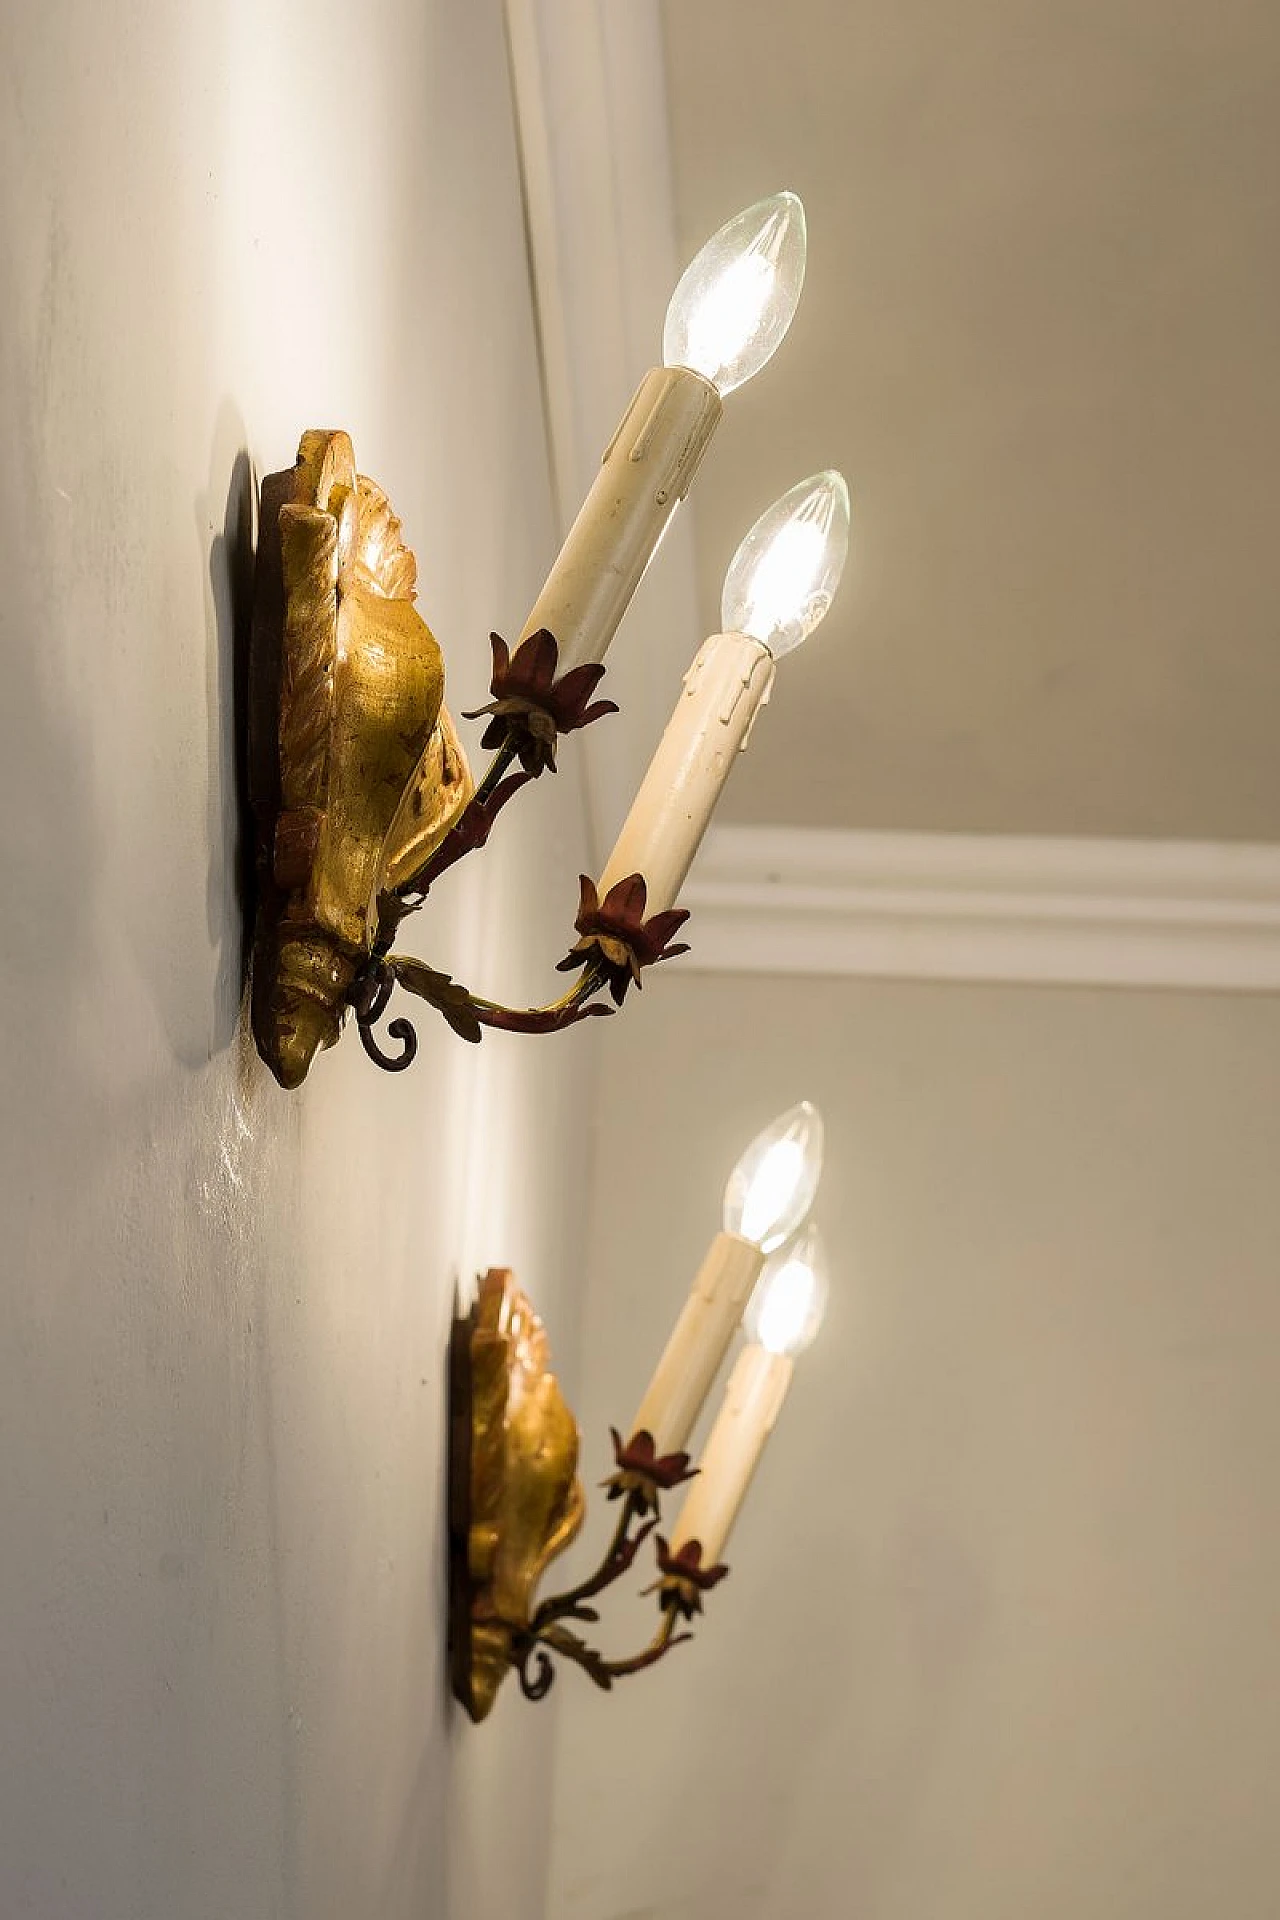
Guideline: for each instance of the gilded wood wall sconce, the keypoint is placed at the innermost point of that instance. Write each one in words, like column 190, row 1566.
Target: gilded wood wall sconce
column 515, row 1499
column 361, row 792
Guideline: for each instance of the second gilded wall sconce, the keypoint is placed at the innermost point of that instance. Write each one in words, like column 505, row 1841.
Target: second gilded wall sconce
column 515, row 1499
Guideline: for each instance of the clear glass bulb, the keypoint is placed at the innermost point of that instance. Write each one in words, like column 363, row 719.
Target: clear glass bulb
column 784, row 576
column 790, row 1298
column 737, row 297
column 772, row 1187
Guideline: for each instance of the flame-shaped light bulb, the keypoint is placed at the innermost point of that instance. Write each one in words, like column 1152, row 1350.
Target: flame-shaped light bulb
column 772, row 1187
column 786, row 1309
column 737, row 297
column 784, row 576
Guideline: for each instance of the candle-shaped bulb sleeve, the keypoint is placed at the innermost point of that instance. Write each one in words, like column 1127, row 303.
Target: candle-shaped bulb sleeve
column 699, row 1342
column 790, row 1298
column 784, row 576
column 752, row 1401
column 772, row 1187
column 724, row 689
column 647, row 469
column 738, row 295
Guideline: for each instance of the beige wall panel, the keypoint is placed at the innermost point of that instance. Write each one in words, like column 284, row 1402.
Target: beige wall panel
column 1000, row 1634
column 1038, row 335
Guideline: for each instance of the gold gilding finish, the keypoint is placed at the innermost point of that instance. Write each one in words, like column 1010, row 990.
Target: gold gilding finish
column 515, row 1498
column 356, row 773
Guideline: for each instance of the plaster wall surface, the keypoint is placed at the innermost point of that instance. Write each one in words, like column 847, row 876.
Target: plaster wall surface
column 1038, row 335
column 223, row 1309
column 999, row 1635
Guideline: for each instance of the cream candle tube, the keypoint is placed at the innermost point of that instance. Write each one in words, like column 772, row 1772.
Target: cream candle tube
column 757, row 1387
column 724, row 689
column 647, row 469
column 699, row 1342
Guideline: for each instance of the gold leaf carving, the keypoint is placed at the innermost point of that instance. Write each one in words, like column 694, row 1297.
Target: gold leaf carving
column 439, row 792
column 380, row 559
column 523, row 1500
column 309, row 553
column 361, row 740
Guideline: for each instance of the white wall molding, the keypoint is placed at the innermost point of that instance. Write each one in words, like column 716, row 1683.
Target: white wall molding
column 1117, row 913
column 591, row 113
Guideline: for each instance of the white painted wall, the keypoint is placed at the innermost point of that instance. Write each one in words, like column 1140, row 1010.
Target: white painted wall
column 223, row 1309
column 1038, row 335
column 999, row 1639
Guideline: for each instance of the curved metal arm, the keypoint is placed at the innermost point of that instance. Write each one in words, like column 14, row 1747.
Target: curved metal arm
column 551, row 1019
column 493, row 773
column 467, row 1013
column 619, row 1554
column 537, row 1672
column 369, row 1008
column 663, row 1640
column 531, row 1657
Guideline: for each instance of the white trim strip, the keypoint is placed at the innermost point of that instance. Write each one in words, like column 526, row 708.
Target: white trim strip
column 589, row 88
column 1116, row 913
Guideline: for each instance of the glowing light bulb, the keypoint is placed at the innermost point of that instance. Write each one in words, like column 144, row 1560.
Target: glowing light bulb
column 772, row 1187
column 786, row 1309
column 737, row 297
column 784, row 576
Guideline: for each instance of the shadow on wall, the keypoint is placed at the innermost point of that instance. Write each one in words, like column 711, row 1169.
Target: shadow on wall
column 181, row 800
column 50, row 836
column 228, row 611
